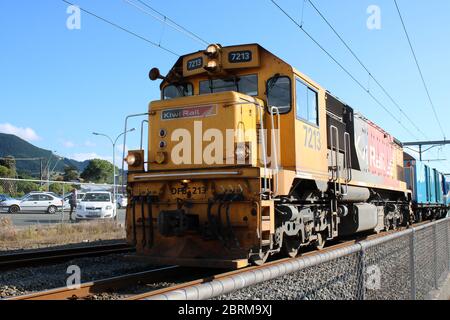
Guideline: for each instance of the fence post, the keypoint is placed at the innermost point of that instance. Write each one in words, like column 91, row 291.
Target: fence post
column 62, row 211
column 436, row 277
column 448, row 244
column 362, row 273
column 412, row 253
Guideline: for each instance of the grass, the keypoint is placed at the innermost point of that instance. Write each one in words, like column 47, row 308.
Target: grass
column 43, row 236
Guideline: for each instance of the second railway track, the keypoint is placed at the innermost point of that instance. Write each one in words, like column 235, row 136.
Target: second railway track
column 34, row 258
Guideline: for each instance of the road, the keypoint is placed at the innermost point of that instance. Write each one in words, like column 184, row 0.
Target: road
column 29, row 219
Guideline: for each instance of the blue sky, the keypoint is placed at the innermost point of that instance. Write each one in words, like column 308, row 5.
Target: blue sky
column 59, row 85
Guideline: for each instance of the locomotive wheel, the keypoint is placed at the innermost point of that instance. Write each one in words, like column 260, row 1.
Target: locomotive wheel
column 259, row 259
column 291, row 246
column 320, row 242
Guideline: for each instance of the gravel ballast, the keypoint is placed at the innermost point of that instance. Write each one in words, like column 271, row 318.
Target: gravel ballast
column 29, row 280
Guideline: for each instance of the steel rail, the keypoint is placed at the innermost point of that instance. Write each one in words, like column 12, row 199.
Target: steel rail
column 86, row 290
column 49, row 256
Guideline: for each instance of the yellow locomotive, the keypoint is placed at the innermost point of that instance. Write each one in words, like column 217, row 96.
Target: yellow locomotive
column 248, row 157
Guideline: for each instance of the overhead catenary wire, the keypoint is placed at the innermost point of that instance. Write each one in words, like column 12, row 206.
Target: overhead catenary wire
column 419, row 69
column 123, row 29
column 301, row 27
column 166, row 20
column 371, row 76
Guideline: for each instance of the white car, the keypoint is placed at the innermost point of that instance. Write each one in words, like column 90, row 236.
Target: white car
column 33, row 202
column 96, row 205
column 122, row 201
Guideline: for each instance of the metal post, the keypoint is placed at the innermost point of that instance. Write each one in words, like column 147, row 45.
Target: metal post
column 114, row 182
column 436, row 276
column 62, row 211
column 362, row 274
column 412, row 254
column 448, row 244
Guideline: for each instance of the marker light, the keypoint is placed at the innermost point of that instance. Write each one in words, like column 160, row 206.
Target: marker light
column 162, row 145
column 161, row 157
column 212, row 50
column 162, row 133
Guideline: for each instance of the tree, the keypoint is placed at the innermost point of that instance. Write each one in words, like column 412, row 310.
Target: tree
column 5, row 172
column 7, row 167
column 99, row 171
column 71, row 173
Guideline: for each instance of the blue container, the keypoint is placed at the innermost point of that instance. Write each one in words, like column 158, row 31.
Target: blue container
column 416, row 180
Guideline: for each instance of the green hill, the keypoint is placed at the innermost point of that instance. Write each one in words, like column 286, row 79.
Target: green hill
column 11, row 145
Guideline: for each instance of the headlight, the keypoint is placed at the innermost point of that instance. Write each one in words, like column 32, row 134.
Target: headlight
column 109, row 207
column 212, row 50
column 133, row 159
column 79, row 207
column 212, row 66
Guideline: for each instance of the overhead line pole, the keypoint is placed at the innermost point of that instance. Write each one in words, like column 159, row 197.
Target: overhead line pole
column 421, row 144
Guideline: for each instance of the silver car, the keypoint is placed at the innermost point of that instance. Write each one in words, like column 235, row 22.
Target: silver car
column 33, row 202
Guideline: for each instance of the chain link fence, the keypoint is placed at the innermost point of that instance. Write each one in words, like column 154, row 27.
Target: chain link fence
column 17, row 188
column 407, row 265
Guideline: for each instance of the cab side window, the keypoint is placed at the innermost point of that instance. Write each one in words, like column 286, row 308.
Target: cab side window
column 306, row 103
column 279, row 93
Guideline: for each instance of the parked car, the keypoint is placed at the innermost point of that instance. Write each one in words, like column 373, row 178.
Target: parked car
column 4, row 197
column 33, row 202
column 122, row 201
column 46, row 192
column 96, row 205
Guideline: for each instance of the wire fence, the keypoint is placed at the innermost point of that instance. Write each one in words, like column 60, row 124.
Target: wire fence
column 408, row 265
column 17, row 188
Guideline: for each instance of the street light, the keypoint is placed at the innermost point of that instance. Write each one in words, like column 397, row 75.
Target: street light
column 114, row 160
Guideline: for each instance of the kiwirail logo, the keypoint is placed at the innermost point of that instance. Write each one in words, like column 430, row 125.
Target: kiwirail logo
column 215, row 146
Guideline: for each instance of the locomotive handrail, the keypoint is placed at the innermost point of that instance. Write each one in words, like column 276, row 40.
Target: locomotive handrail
column 263, row 142
column 142, row 132
column 335, row 160
column 347, row 162
column 349, row 157
column 262, row 135
column 275, row 143
column 125, row 142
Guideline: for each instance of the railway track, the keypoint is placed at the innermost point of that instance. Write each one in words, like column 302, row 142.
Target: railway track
column 50, row 256
column 88, row 291
column 170, row 274
column 159, row 292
